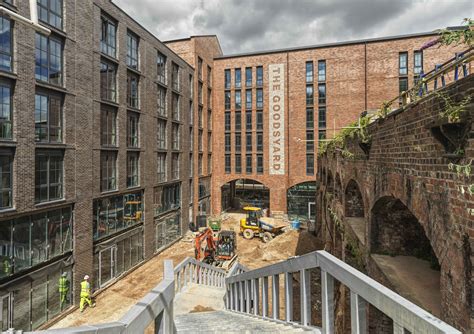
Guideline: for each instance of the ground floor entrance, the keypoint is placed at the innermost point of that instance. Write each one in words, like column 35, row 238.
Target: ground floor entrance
column 167, row 229
column 244, row 192
column 301, row 201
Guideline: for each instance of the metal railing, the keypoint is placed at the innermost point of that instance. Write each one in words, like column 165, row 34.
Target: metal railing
column 243, row 295
column 157, row 306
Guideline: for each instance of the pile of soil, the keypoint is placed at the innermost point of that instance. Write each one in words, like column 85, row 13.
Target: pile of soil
column 200, row 308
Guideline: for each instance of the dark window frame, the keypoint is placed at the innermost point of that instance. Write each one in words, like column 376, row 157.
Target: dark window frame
column 133, row 50
column 108, row 42
column 47, row 67
column 133, row 169
column 133, row 90
column 6, row 53
column 6, row 189
column 108, row 171
column 6, row 112
column 46, row 124
column 51, row 13
column 49, row 184
column 108, row 81
column 108, row 116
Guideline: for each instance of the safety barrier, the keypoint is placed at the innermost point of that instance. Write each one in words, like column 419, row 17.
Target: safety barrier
column 243, row 295
column 193, row 271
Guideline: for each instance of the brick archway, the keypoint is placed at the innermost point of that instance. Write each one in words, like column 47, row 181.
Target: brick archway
column 353, row 200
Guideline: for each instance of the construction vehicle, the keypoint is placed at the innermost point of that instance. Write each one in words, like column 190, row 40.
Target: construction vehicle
column 132, row 209
column 252, row 225
column 216, row 249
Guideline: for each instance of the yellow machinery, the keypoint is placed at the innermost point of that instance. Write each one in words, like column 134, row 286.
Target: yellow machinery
column 252, row 225
column 132, row 209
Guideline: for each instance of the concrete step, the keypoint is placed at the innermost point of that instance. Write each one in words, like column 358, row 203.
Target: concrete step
column 231, row 322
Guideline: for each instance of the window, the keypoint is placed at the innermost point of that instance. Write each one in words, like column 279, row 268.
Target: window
column 322, row 93
column 248, row 141
column 51, row 12
column 238, row 121
column 132, row 130
column 5, row 111
column 191, row 139
column 108, row 86
column 227, row 142
column 248, row 120
column 248, row 99
column 227, row 164
column 200, row 92
column 417, row 62
column 199, row 68
column 175, row 166
column 238, row 100
column 309, row 95
column 108, row 42
column 200, row 165
column 209, row 142
column 108, row 170
column 259, row 76
column 6, row 180
column 161, row 67
column 200, row 123
column 175, row 77
column 259, row 98
column 6, row 44
column 238, row 142
column 48, row 176
column 108, row 126
column 248, row 76
column 132, row 90
column 191, row 169
column 200, row 140
column 191, row 113
column 322, row 134
column 209, row 98
column 175, row 136
column 175, row 107
column 161, row 167
column 309, row 118
column 259, row 141
column 227, row 100
column 259, row 120
column 309, row 141
column 209, row 120
column 402, row 85
column 191, row 87
column 259, row 163
column 167, row 198
column 309, row 164
column 209, row 164
column 209, row 76
column 161, row 134
column 321, row 70
column 132, row 169
column 132, row 50
column 238, row 163
column 227, row 79
column 227, row 121
column 162, row 101
column 309, row 72
column 48, row 118
column 48, row 59
column 322, row 118
column 238, row 78
column 403, row 63
column 248, row 164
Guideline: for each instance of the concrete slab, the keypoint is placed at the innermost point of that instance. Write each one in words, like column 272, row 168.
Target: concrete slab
column 200, row 296
column 358, row 226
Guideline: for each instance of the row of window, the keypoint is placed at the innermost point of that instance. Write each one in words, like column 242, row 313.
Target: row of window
column 162, row 135
column 248, row 99
column 321, row 94
column 238, row 142
column 108, row 128
column 108, row 170
column 321, row 71
column 162, row 166
column 238, row 120
column 248, row 163
column 248, row 77
column 403, row 70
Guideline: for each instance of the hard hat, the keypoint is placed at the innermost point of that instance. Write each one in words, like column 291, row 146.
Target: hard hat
column 86, row 277
column 64, row 274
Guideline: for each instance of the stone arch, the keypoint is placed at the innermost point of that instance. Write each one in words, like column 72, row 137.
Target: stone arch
column 353, row 200
column 240, row 192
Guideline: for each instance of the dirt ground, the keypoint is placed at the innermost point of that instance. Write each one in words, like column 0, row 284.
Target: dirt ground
column 112, row 303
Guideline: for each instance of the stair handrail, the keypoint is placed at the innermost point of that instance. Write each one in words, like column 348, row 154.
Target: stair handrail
column 242, row 295
column 191, row 270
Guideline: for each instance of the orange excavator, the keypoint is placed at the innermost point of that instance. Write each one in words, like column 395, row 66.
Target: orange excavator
column 218, row 249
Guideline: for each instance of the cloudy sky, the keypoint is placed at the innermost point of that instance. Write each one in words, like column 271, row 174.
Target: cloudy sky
column 251, row 25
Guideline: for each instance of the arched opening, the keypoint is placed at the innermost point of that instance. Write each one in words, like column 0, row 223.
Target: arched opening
column 301, row 201
column 354, row 209
column 244, row 192
column 403, row 252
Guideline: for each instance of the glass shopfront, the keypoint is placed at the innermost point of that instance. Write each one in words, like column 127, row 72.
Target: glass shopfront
column 167, row 230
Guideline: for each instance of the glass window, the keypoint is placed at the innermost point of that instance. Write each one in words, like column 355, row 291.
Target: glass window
column 227, row 142
column 309, row 164
column 51, row 12
column 322, row 93
column 48, row 176
column 132, row 50
column 321, row 70
column 309, row 71
column 322, row 117
column 5, row 111
column 191, row 113
column 175, row 166
column 108, row 39
column 6, row 180
column 238, row 77
column 161, row 167
column 248, row 76
column 248, row 99
column 259, row 141
column 248, row 120
column 175, row 136
column 175, row 107
column 322, row 134
column 227, row 100
column 259, row 163
column 162, row 101
column 108, row 126
column 200, row 140
column 6, row 249
column 191, row 139
column 133, row 130
column 108, row 86
column 238, row 121
column 259, row 98
column 309, row 95
column 167, row 198
column 132, row 169
column 238, row 142
column 238, row 163
column 5, row 44
column 209, row 76
column 403, row 85
column 309, row 141
column 209, row 164
column 209, row 120
column 48, row 59
column 161, row 67
column 191, row 171
column 403, row 63
column 227, row 164
column 248, row 141
column 209, row 98
column 227, row 121
column 259, row 120
column 132, row 90
column 200, row 117
column 309, row 118
column 248, row 164
column 200, row 92
column 209, row 142
column 227, row 79
column 259, row 76
column 108, row 170
column 161, row 134
column 418, row 62
column 238, row 100
column 48, row 118
column 199, row 68
column 175, row 80
column 200, row 165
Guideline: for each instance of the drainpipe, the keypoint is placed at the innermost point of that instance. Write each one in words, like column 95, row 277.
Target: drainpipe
column 31, row 22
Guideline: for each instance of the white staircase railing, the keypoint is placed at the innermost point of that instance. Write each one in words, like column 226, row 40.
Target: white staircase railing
column 242, row 295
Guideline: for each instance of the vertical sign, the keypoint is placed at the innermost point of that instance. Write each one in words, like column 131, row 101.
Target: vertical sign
column 276, row 95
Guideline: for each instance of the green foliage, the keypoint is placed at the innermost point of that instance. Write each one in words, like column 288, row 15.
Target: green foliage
column 456, row 37
column 453, row 111
column 384, row 110
column 463, row 171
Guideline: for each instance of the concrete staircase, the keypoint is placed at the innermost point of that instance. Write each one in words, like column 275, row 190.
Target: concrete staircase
column 231, row 322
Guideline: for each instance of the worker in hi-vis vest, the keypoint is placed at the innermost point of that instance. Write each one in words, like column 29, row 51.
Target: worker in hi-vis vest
column 63, row 289
column 85, row 293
